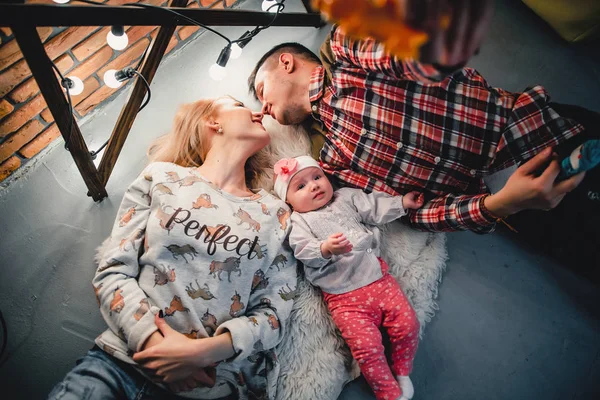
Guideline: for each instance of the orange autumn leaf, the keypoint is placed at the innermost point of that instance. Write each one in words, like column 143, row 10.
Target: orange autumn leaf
column 379, row 19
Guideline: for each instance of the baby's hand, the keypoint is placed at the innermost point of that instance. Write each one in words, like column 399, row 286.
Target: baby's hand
column 335, row 244
column 413, row 200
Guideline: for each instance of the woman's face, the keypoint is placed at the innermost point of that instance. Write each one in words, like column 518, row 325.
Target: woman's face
column 241, row 124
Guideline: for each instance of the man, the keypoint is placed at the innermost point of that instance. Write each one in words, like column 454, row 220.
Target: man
column 398, row 125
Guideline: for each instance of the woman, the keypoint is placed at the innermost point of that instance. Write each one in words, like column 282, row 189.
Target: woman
column 189, row 281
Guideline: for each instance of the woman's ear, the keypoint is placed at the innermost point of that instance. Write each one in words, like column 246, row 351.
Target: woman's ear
column 213, row 125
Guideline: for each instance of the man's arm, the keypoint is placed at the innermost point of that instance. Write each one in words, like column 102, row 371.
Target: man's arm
column 454, row 29
column 441, row 214
column 452, row 213
column 532, row 186
column 370, row 55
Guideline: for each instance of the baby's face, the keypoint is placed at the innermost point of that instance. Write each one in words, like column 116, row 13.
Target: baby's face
column 309, row 190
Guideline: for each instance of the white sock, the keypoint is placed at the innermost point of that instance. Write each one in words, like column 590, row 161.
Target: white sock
column 406, row 385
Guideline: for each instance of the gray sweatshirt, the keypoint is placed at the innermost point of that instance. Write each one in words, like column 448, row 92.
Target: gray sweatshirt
column 211, row 261
column 348, row 212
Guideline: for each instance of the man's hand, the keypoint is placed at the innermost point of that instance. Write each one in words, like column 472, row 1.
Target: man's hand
column 450, row 44
column 413, row 200
column 531, row 187
column 335, row 244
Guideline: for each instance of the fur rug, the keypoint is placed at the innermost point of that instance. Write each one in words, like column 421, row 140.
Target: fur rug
column 315, row 362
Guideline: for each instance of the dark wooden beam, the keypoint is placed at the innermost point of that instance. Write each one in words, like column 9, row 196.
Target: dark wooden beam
column 130, row 111
column 307, row 6
column 90, row 15
column 41, row 68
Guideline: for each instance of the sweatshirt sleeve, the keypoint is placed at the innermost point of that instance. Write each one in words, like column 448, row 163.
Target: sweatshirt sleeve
column 307, row 248
column 376, row 207
column 264, row 324
column 123, row 304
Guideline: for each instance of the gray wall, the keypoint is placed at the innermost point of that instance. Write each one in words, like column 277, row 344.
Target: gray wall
column 50, row 228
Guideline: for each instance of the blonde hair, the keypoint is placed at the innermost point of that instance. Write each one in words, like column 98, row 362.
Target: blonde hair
column 187, row 144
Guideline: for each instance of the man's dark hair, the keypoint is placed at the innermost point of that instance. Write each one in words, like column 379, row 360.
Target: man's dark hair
column 290, row 47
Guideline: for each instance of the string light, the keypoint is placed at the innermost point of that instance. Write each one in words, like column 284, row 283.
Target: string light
column 217, row 70
column 73, row 85
column 236, row 51
column 117, row 38
column 238, row 45
column 267, row 5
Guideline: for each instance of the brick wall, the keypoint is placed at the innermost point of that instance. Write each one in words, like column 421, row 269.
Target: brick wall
column 26, row 124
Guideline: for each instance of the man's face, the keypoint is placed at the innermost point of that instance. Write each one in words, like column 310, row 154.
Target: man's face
column 280, row 95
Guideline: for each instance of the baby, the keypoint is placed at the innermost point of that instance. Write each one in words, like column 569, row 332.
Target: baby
column 333, row 234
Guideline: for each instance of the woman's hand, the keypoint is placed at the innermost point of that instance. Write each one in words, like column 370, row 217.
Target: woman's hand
column 178, row 357
column 413, row 200
column 153, row 340
column 335, row 244
column 196, row 379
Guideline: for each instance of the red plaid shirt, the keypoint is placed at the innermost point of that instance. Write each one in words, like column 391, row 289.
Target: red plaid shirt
column 397, row 125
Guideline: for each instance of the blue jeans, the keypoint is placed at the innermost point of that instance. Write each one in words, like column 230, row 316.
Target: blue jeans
column 101, row 376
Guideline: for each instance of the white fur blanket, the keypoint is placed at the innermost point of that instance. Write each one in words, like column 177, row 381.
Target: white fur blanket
column 315, row 362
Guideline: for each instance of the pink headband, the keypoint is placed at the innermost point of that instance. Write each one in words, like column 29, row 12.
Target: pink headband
column 286, row 168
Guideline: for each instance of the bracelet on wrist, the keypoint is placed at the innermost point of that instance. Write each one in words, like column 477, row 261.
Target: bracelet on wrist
column 490, row 216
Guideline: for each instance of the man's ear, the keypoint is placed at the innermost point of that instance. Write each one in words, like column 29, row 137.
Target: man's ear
column 287, row 62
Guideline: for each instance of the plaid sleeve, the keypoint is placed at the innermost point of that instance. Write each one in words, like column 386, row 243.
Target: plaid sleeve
column 532, row 126
column 451, row 213
column 370, row 55
column 441, row 214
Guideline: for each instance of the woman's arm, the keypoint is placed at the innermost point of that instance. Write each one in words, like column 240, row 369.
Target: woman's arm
column 115, row 283
column 175, row 357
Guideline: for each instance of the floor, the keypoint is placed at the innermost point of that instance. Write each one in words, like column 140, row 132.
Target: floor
column 512, row 324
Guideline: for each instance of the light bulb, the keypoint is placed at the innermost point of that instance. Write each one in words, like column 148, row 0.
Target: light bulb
column 268, row 3
column 111, row 80
column 236, row 51
column 217, row 72
column 61, row 1
column 75, row 86
column 116, row 41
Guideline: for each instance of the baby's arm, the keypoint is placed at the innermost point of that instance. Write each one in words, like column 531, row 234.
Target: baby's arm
column 307, row 248
column 378, row 207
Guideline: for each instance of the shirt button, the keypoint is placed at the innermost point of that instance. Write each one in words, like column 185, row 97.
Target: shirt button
column 334, row 118
column 399, row 145
column 314, row 108
column 363, row 131
column 437, row 160
column 472, row 172
column 369, row 250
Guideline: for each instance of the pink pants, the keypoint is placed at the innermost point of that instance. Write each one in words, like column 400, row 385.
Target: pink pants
column 360, row 313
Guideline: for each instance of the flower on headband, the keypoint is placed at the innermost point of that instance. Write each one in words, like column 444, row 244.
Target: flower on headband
column 285, row 167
